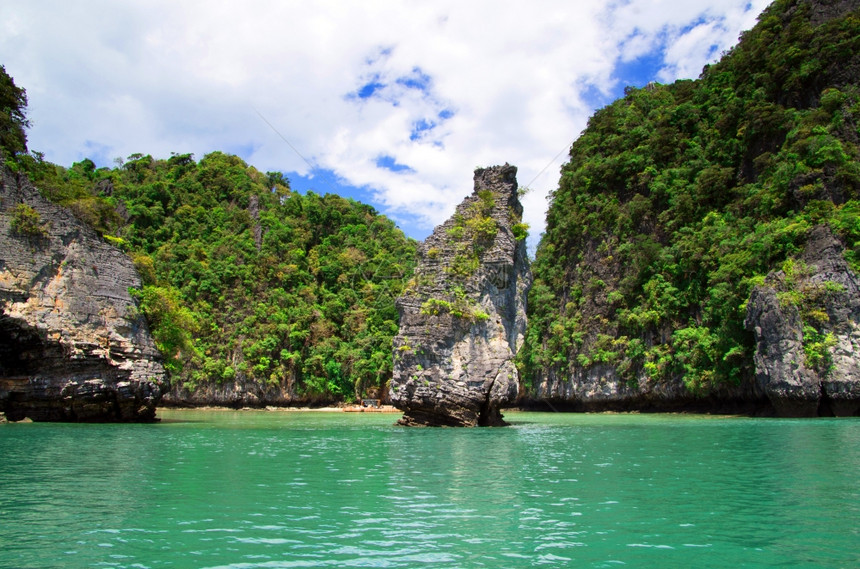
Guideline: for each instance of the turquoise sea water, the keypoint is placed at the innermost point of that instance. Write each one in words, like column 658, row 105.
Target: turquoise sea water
column 286, row 489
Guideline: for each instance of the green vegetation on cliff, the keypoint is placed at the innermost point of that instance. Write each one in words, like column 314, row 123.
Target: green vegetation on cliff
column 245, row 280
column 679, row 198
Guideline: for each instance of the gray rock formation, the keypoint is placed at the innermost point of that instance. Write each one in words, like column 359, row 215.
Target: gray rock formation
column 240, row 393
column 462, row 317
column 806, row 321
column 73, row 346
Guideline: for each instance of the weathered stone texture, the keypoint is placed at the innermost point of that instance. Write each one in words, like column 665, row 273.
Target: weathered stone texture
column 462, row 317
column 73, row 346
column 830, row 292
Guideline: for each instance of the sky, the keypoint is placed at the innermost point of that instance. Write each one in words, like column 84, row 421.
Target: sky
column 393, row 103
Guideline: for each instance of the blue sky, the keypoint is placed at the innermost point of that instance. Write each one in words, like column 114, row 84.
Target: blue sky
column 393, row 103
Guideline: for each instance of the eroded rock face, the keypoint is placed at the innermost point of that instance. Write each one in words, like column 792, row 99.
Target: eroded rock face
column 806, row 321
column 73, row 346
column 462, row 317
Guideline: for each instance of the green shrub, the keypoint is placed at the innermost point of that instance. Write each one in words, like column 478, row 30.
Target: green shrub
column 816, row 347
column 484, row 228
column 435, row 306
column 520, row 231
column 27, row 222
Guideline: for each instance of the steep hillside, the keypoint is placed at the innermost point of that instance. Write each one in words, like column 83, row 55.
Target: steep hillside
column 679, row 199
column 254, row 293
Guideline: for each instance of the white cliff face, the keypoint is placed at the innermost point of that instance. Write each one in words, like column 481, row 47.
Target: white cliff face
column 72, row 344
column 462, row 317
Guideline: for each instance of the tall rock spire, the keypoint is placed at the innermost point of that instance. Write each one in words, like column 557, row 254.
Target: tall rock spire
column 463, row 315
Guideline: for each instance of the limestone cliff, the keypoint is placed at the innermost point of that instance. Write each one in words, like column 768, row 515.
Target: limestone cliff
column 462, row 317
column 806, row 321
column 676, row 202
column 72, row 345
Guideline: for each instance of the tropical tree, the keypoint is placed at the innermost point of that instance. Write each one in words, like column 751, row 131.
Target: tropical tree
column 13, row 117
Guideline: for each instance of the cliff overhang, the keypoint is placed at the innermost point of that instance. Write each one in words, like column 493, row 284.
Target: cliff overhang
column 73, row 346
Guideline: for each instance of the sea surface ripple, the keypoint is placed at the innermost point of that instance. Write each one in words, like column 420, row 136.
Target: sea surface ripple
column 248, row 490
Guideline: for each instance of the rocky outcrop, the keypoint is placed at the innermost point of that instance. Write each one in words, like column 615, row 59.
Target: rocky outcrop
column 73, row 346
column 240, row 393
column 806, row 321
column 462, row 316
column 600, row 388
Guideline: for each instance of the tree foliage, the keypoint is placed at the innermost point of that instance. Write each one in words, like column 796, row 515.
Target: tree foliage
column 13, row 117
column 245, row 280
column 678, row 198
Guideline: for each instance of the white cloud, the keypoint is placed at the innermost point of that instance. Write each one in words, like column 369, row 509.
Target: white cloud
column 454, row 84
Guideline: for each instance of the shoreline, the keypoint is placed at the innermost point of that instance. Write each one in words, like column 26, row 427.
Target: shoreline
column 276, row 409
